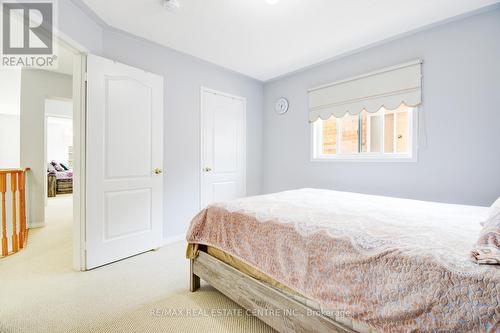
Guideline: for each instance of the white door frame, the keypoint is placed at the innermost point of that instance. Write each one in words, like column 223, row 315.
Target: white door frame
column 201, row 172
column 79, row 149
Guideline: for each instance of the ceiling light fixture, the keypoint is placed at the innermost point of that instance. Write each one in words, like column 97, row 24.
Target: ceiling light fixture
column 272, row 2
column 171, row 5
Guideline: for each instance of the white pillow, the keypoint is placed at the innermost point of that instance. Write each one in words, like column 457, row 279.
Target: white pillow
column 495, row 208
column 493, row 213
column 487, row 248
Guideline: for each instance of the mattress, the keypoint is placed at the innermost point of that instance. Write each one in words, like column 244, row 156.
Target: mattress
column 391, row 264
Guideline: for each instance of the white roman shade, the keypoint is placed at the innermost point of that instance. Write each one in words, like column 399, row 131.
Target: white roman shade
column 388, row 87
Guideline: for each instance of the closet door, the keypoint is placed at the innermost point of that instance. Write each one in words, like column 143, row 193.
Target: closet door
column 223, row 147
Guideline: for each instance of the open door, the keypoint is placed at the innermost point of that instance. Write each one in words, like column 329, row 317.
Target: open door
column 124, row 157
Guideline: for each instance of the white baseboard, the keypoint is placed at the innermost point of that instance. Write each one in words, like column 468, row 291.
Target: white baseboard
column 173, row 239
column 33, row 225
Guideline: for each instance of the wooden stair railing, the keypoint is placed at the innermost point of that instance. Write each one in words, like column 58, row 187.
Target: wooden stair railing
column 19, row 231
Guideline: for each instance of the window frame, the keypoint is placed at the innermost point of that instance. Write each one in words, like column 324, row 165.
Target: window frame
column 411, row 156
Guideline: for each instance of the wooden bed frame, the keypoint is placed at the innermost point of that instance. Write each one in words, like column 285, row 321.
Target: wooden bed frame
column 260, row 298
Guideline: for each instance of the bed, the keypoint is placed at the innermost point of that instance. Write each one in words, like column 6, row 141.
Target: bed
column 59, row 178
column 330, row 261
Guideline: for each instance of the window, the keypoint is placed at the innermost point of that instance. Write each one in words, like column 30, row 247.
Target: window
column 383, row 135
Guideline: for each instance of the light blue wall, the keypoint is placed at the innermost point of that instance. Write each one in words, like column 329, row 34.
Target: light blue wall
column 80, row 24
column 460, row 163
column 184, row 76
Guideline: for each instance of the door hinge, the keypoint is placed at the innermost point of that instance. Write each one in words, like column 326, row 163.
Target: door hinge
column 85, row 76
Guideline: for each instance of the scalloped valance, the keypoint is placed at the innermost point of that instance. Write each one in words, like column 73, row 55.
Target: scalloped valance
column 389, row 87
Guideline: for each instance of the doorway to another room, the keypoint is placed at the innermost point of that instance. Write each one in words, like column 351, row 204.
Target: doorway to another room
column 47, row 139
column 59, row 157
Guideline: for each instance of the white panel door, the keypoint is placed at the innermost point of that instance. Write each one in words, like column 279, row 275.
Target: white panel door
column 223, row 158
column 124, row 192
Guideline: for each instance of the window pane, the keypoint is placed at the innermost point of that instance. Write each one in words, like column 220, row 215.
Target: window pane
column 371, row 134
column 349, row 135
column 371, row 125
column 329, row 136
column 388, row 132
column 402, row 132
column 376, row 134
column 364, row 132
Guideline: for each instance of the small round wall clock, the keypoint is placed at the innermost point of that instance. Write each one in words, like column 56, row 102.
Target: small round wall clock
column 281, row 106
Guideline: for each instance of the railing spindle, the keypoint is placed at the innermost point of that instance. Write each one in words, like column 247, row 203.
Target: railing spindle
column 3, row 189
column 18, row 236
column 13, row 188
column 22, row 211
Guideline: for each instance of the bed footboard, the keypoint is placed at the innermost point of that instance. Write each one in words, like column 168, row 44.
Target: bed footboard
column 270, row 305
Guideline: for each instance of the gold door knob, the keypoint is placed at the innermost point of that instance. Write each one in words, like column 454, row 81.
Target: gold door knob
column 158, row 171
column 207, row 169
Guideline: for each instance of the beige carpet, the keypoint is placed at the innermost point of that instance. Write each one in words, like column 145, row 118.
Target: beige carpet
column 39, row 292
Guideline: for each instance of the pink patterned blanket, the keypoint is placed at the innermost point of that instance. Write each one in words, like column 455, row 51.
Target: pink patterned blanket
column 396, row 265
column 64, row 174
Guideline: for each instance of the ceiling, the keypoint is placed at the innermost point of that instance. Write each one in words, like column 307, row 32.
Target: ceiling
column 264, row 41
